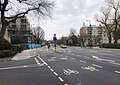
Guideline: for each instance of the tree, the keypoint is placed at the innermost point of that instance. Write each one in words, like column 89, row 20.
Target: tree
column 73, row 39
column 72, row 32
column 13, row 9
column 111, row 19
column 64, row 40
column 115, row 5
column 39, row 34
column 83, row 36
column 105, row 21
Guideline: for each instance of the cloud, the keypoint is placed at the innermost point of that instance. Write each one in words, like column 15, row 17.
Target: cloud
column 69, row 14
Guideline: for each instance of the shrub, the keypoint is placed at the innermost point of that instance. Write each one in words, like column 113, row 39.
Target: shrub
column 17, row 47
column 5, row 45
column 6, row 53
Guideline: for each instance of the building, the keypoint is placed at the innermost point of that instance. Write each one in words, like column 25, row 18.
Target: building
column 91, row 35
column 19, row 31
column 83, row 36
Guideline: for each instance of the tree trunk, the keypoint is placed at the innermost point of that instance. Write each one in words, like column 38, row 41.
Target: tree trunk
column 2, row 31
column 4, row 26
column 116, row 37
column 109, row 38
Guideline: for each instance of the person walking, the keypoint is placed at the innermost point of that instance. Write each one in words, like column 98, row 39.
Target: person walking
column 48, row 44
column 55, row 41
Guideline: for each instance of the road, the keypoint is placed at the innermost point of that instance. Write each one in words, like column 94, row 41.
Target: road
column 70, row 66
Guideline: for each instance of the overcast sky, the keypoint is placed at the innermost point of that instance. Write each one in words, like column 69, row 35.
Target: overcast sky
column 69, row 14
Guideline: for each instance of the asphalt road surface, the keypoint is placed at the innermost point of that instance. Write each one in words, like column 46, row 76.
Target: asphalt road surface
column 70, row 66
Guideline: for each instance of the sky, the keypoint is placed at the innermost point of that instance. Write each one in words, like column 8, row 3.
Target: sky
column 69, row 14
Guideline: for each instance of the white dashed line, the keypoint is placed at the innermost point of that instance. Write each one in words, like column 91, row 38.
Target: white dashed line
column 61, row 79
column 117, row 72
column 55, row 73
column 51, row 69
column 42, row 60
column 65, row 84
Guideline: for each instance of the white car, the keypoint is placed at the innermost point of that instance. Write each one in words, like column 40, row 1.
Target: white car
column 63, row 46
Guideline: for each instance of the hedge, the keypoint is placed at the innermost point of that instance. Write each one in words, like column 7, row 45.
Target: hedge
column 7, row 53
column 106, row 45
column 5, row 45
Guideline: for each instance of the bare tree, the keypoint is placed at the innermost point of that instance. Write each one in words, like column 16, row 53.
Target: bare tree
column 115, row 5
column 83, row 36
column 72, row 32
column 39, row 34
column 72, row 37
column 105, row 20
column 11, row 10
column 111, row 19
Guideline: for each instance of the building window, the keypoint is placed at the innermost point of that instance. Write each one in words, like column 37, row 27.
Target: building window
column 13, row 27
column 23, row 27
column 23, row 20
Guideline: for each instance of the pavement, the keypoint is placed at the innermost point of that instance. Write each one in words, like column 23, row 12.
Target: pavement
column 70, row 66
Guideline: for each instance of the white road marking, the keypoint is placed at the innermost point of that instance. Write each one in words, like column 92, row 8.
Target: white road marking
column 90, row 68
column 101, row 59
column 117, row 72
column 37, row 61
column 6, row 68
column 106, row 60
column 115, row 63
column 51, row 69
column 69, row 72
column 61, row 79
column 64, row 58
column 42, row 60
column 97, row 66
column 24, row 66
column 65, row 84
column 55, row 73
column 83, row 61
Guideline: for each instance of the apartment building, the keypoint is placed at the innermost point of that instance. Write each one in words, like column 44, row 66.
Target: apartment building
column 91, row 35
column 19, row 31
